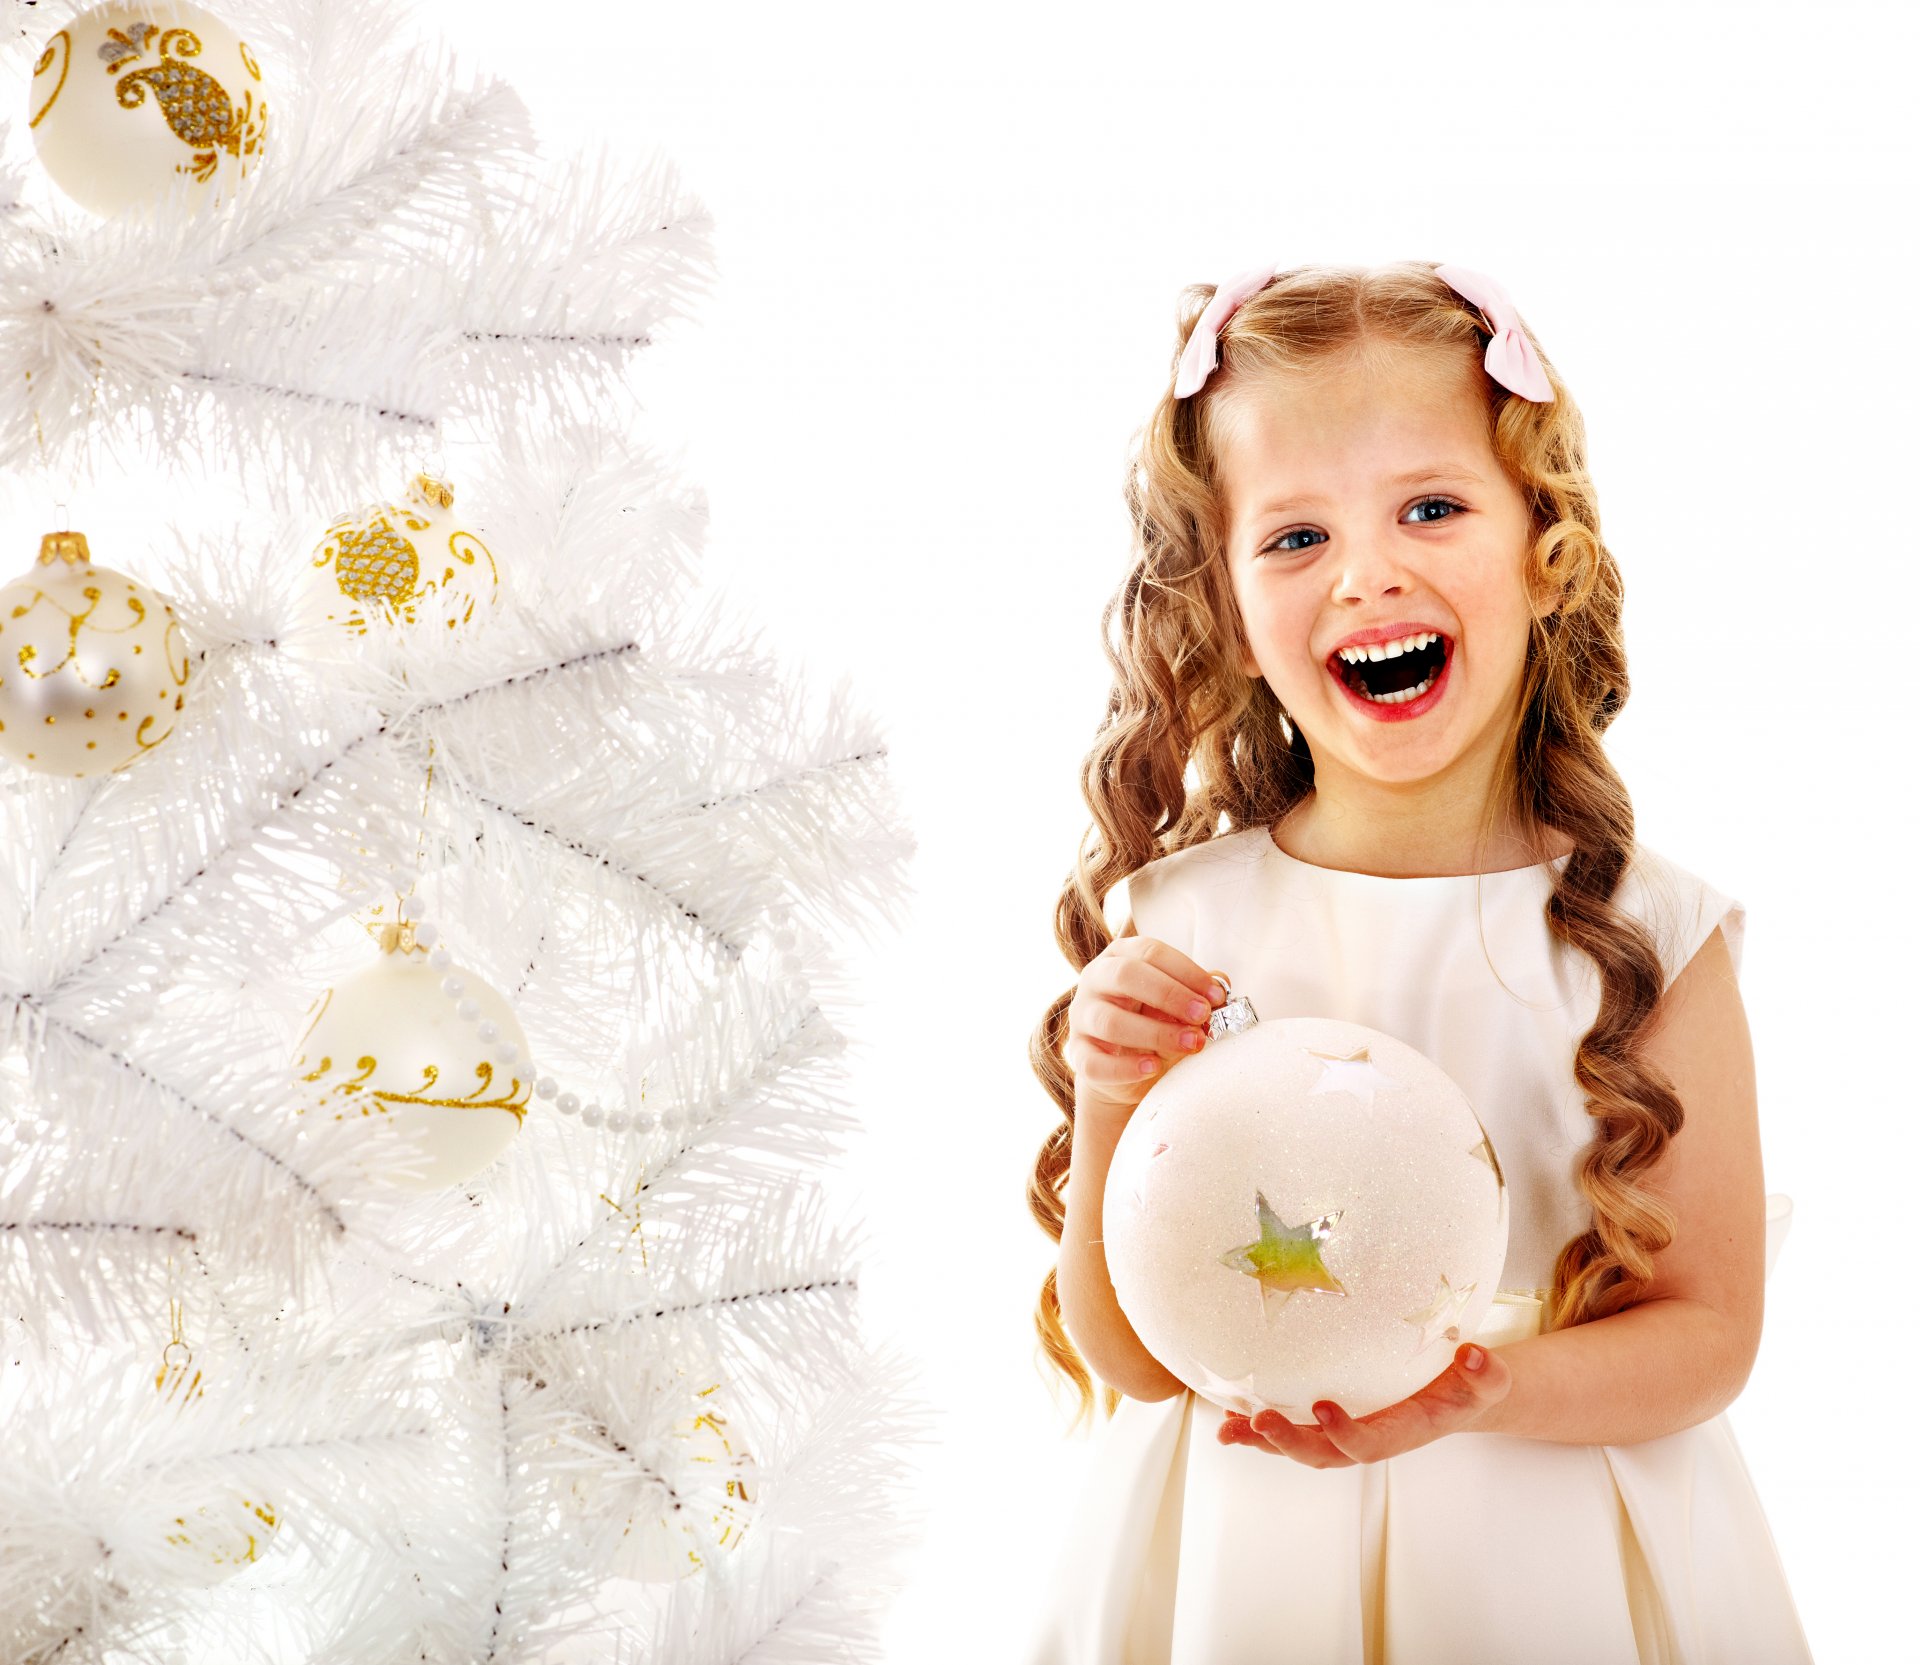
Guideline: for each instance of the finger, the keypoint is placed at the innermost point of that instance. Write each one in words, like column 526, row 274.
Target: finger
column 1153, row 1032
column 1160, row 975
column 1304, row 1445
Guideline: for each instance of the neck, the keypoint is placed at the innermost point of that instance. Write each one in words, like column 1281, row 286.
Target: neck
column 1373, row 827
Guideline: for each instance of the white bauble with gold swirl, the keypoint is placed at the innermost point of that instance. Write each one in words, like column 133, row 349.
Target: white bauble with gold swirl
column 406, row 557
column 93, row 669
column 660, row 1545
column 201, row 1544
column 127, row 101
column 391, row 1047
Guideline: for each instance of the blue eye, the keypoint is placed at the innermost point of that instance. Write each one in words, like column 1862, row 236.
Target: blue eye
column 1279, row 544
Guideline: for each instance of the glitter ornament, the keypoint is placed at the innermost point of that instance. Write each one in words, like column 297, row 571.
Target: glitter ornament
column 126, row 101
column 396, row 556
column 212, row 1541
column 660, row 1545
column 92, row 666
column 1305, row 1209
column 390, row 1046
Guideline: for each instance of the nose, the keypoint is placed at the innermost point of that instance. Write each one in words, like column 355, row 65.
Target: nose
column 1368, row 567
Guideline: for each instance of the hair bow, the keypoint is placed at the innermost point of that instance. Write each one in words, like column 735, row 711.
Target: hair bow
column 1202, row 353
column 1510, row 360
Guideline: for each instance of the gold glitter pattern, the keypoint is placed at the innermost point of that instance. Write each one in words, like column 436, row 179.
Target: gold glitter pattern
column 61, row 39
column 198, row 110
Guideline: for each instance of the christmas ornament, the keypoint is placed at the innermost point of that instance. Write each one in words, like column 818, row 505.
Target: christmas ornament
column 434, row 1055
column 1305, row 1209
column 661, row 1544
column 92, row 666
column 128, row 99
column 395, row 556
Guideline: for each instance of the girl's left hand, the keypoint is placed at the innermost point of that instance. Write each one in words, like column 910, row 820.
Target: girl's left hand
column 1455, row 1399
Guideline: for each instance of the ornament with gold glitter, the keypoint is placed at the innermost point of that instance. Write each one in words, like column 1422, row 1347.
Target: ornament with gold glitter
column 669, row 1537
column 93, row 670
column 396, row 557
column 127, row 99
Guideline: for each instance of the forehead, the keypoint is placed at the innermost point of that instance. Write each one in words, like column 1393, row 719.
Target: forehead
column 1347, row 433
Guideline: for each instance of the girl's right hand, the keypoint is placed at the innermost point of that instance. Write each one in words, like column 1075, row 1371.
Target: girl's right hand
column 1140, row 1005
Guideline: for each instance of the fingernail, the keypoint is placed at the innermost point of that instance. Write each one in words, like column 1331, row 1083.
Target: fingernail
column 1476, row 1356
column 1324, row 1414
column 1149, row 1065
column 1197, row 1009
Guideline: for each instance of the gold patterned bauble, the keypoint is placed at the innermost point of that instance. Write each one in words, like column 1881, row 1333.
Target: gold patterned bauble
column 93, row 670
column 215, row 1540
column 658, row 1545
column 391, row 1047
column 397, row 555
column 128, row 99
column 1305, row 1209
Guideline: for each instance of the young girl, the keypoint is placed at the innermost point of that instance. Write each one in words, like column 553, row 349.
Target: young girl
column 1370, row 643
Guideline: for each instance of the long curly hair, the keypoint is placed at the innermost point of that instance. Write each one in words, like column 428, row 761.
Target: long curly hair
column 1192, row 748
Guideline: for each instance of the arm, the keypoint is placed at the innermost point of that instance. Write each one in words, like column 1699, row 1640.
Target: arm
column 1683, row 1352
column 1087, row 1305
column 1658, row 1367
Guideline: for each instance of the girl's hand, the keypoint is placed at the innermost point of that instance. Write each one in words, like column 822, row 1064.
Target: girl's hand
column 1455, row 1399
column 1139, row 1002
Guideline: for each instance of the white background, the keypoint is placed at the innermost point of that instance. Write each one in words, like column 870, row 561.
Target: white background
column 951, row 242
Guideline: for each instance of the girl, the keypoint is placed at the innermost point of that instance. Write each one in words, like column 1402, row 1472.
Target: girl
column 1352, row 758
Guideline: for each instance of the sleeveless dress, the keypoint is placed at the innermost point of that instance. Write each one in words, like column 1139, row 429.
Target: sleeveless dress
column 1480, row 1548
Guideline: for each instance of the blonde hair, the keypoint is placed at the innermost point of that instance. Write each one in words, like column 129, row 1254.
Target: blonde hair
column 1182, row 708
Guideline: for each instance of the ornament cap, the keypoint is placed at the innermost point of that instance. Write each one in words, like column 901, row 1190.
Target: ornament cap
column 397, row 938
column 1236, row 1016
column 426, row 487
column 68, row 546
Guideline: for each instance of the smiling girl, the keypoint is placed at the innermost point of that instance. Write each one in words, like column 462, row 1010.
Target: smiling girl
column 1370, row 641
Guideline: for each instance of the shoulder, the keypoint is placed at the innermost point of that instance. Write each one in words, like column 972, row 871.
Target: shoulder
column 1164, row 895
column 1679, row 908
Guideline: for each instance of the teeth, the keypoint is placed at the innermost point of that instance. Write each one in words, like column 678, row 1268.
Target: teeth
column 1388, row 650
column 1400, row 698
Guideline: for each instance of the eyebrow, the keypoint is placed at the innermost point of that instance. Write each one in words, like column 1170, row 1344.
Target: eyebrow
column 1414, row 477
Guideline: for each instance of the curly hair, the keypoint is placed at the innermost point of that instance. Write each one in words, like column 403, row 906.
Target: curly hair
column 1192, row 748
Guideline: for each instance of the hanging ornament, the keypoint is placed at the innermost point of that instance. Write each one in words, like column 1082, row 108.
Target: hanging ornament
column 396, row 556
column 659, row 1545
column 436, row 1056
column 128, row 99
column 1305, row 1209
column 92, row 666
column 207, row 1541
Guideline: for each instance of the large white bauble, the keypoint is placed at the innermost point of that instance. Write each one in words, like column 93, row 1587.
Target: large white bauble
column 92, row 666
column 126, row 100
column 1305, row 1210
column 405, row 556
column 389, row 1045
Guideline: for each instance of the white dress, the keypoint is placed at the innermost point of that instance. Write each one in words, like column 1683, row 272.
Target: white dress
column 1478, row 1549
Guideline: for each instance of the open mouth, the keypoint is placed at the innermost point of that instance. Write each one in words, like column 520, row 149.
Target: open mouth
column 1397, row 680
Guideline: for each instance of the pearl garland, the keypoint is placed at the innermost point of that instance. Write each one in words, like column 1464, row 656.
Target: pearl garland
column 412, row 911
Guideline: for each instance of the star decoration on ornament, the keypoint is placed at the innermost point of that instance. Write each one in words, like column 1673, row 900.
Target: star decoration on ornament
column 1285, row 1258
column 1443, row 1317
column 1484, row 1150
column 1355, row 1073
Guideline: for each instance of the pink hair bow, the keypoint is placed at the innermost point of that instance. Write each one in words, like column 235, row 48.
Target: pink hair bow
column 1202, row 353
column 1511, row 360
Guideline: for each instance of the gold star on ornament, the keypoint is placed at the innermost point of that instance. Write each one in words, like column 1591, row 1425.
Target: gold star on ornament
column 1285, row 1258
column 1354, row 1073
column 1443, row 1317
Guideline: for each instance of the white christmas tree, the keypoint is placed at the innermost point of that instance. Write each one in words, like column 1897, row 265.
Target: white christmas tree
column 421, row 1037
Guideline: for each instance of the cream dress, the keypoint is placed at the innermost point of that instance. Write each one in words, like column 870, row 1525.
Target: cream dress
column 1478, row 1549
